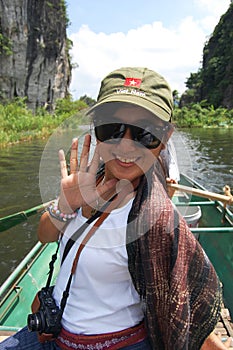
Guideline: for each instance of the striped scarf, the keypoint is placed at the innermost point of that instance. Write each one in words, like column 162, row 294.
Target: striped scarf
column 170, row 271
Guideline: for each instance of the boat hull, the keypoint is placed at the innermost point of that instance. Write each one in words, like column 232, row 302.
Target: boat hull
column 215, row 234
column 214, row 230
column 19, row 290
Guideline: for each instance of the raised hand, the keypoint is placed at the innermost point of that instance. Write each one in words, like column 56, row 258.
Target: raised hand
column 78, row 188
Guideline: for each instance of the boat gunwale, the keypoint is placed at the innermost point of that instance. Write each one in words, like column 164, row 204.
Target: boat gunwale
column 21, row 270
column 11, row 282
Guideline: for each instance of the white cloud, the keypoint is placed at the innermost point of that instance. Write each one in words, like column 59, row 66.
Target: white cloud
column 173, row 52
column 213, row 7
column 212, row 11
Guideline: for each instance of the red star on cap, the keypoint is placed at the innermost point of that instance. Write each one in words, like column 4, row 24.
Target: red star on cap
column 134, row 82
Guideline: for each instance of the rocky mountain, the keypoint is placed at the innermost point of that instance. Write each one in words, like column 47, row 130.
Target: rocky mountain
column 217, row 68
column 213, row 83
column 34, row 51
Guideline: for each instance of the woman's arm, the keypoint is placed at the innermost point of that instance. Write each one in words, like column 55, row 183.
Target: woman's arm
column 49, row 229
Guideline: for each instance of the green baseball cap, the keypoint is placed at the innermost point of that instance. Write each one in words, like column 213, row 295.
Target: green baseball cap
column 140, row 86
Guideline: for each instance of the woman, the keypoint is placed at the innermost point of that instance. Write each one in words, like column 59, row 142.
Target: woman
column 136, row 276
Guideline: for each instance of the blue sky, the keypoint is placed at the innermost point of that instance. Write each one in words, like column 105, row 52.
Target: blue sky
column 162, row 35
column 112, row 16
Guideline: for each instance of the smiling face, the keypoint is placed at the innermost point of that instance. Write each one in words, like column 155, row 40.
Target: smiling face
column 126, row 158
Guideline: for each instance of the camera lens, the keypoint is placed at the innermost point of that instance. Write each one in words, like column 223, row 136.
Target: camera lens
column 36, row 322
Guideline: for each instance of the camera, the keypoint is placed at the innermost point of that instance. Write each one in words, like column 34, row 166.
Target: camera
column 47, row 319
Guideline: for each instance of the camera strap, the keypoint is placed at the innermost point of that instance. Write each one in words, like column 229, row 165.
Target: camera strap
column 82, row 228
column 51, row 266
column 72, row 240
column 101, row 215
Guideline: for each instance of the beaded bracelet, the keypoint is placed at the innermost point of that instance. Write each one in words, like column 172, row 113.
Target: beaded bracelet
column 57, row 214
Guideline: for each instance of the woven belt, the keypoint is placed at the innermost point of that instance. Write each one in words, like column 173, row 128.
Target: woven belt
column 106, row 341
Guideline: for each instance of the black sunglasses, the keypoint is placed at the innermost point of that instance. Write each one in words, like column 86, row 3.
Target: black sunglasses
column 149, row 136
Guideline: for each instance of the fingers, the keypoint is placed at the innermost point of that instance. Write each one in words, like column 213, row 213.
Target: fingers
column 95, row 162
column 170, row 181
column 85, row 153
column 74, row 156
column 63, row 166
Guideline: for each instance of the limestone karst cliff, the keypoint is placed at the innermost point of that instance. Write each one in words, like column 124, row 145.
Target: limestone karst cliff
column 217, row 68
column 213, row 83
column 34, row 57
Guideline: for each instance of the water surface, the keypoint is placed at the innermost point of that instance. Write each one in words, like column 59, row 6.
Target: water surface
column 204, row 154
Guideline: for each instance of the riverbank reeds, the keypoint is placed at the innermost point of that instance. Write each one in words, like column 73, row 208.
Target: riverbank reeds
column 199, row 116
column 18, row 123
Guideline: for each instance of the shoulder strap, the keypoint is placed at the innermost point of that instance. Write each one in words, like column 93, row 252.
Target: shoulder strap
column 82, row 228
column 102, row 214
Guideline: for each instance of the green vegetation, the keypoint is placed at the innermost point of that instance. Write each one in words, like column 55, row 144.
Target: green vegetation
column 5, row 45
column 200, row 115
column 61, row 10
column 214, row 80
column 18, row 123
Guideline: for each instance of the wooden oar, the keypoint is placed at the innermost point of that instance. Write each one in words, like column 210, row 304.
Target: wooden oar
column 205, row 194
column 15, row 219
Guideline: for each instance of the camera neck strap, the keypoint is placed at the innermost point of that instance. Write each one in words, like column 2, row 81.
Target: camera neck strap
column 73, row 239
column 82, row 228
column 101, row 215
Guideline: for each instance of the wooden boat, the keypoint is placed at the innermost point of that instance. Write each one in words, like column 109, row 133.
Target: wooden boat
column 210, row 221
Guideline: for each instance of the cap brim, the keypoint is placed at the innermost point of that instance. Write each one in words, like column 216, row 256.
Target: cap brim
column 155, row 109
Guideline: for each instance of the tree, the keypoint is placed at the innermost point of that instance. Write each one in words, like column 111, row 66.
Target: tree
column 88, row 100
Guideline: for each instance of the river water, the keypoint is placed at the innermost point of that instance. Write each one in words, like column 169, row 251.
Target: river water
column 29, row 175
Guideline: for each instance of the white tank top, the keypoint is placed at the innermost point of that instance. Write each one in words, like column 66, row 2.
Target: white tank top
column 102, row 296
